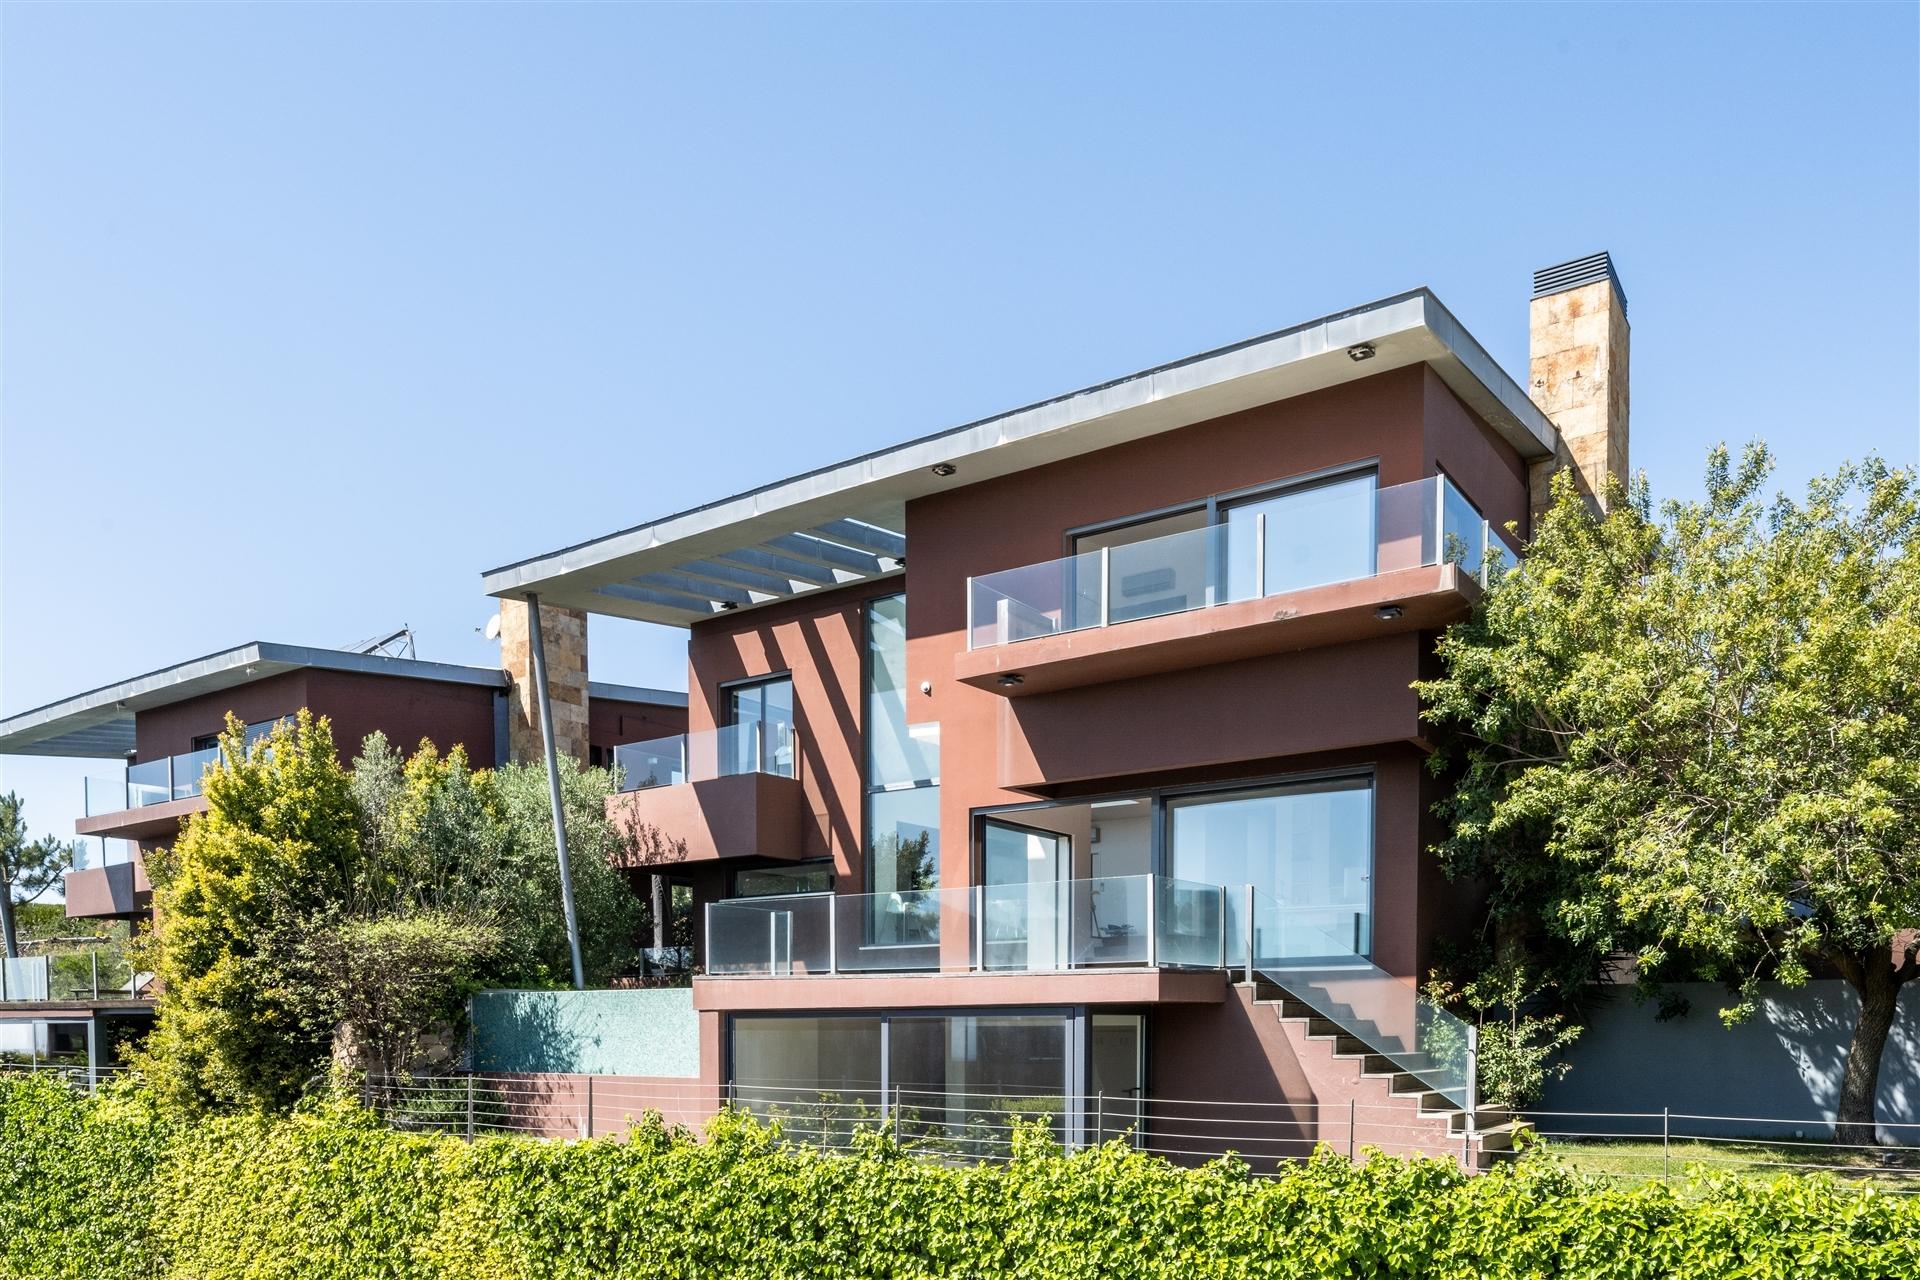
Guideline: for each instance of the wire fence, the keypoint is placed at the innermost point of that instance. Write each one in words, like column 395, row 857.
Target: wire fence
column 959, row 1126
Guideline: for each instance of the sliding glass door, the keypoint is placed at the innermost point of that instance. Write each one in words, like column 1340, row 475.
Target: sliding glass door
column 1025, row 878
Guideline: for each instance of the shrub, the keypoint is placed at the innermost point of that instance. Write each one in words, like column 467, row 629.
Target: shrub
column 109, row 1189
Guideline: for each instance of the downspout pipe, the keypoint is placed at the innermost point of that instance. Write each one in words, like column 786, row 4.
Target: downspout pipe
column 545, row 703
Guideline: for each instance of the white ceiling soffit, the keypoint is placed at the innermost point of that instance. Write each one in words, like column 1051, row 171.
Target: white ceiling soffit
column 846, row 522
column 99, row 723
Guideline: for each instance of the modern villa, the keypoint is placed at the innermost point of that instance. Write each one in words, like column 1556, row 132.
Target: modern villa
column 1071, row 753
column 165, row 727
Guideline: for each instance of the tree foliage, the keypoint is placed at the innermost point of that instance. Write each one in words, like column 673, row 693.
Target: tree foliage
column 1696, row 739
column 276, row 848
column 312, row 908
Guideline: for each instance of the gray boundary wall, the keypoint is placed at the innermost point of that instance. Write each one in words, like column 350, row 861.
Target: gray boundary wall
column 632, row 1033
column 1785, row 1063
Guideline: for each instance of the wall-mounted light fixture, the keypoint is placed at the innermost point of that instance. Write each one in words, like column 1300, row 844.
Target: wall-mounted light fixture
column 1360, row 351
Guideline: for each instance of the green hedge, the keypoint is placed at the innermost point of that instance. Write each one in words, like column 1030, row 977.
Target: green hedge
column 110, row 1189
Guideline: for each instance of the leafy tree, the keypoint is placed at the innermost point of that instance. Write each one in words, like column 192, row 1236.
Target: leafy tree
column 441, row 836
column 277, row 847
column 28, row 868
column 1695, row 738
column 1519, row 1052
column 394, row 985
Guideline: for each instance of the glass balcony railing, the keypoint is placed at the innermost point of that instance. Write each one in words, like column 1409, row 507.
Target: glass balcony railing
column 70, row 975
column 762, row 746
column 1295, row 540
column 1107, row 922
column 93, row 852
column 150, row 782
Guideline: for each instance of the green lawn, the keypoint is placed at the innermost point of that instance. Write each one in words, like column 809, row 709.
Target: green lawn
column 1639, row 1161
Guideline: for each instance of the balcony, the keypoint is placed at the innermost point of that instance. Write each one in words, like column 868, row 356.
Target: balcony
column 1321, row 566
column 108, row 880
column 71, row 977
column 731, row 792
column 150, row 799
column 1116, row 939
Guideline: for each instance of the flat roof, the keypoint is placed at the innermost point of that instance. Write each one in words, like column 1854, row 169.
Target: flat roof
column 846, row 522
column 99, row 723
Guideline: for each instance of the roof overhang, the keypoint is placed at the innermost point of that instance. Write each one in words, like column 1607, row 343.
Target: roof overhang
column 846, row 523
column 100, row 723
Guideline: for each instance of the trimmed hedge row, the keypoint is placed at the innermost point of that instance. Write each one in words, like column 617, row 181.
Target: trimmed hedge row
column 109, row 1188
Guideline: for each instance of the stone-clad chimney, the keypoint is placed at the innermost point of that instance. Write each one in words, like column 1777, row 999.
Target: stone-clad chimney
column 1577, row 370
column 564, row 633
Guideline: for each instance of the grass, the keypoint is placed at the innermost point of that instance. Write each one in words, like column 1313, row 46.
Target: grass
column 1637, row 1160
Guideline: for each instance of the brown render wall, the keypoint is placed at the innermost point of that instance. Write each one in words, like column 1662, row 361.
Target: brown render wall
column 1348, row 705
column 612, row 723
column 406, row 710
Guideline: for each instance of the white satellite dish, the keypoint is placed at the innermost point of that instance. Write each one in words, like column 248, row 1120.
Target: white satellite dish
column 492, row 630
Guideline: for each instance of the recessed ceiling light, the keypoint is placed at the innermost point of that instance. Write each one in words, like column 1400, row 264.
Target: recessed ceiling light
column 1011, row 679
column 1360, row 351
column 728, row 606
column 1387, row 612
column 944, row 468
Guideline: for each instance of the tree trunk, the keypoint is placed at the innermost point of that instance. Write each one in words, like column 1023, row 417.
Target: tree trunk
column 661, row 906
column 1873, row 976
column 8, row 933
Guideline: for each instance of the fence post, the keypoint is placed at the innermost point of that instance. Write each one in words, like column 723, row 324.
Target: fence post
column 1100, row 1118
column 833, row 935
column 94, row 956
column 896, row 1114
column 1666, row 1143
column 589, row 1106
column 469, row 1106
column 1352, row 1151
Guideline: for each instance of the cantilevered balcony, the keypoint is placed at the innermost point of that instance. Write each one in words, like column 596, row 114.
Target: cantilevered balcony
column 149, row 799
column 732, row 792
column 1322, row 565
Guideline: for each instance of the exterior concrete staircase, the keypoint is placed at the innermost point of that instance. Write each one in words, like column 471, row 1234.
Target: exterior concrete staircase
column 1389, row 1106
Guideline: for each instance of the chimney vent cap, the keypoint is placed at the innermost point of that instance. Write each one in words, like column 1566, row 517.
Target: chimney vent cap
column 1563, row 276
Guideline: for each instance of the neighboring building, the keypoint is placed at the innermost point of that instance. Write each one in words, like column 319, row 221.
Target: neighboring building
column 165, row 726
column 1070, row 754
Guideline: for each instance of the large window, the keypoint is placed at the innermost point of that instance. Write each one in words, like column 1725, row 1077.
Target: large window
column 815, row 876
column 903, row 793
column 758, row 736
column 949, row 1083
column 1307, row 846
column 790, row 1066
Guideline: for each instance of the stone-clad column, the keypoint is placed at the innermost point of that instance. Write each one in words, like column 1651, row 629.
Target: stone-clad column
column 565, row 632
column 1578, row 348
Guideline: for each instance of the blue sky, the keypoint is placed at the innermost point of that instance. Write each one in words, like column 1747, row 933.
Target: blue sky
column 312, row 313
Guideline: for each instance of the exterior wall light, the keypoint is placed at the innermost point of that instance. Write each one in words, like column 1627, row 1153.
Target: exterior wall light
column 1011, row 679
column 1387, row 612
column 944, row 469
column 1362, row 351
